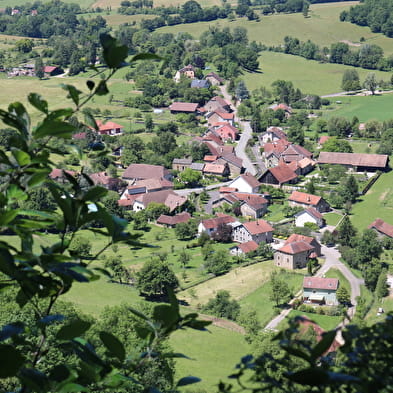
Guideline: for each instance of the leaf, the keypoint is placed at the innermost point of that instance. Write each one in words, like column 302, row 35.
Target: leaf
column 74, row 329
column 90, row 121
column 7, row 216
column 90, row 84
column 187, row 381
column 113, row 345
column 34, row 379
column 146, row 56
column 166, row 314
column 12, row 329
column 95, row 194
column 49, row 319
column 114, row 54
column 57, row 114
column 38, row 178
column 73, row 93
column 311, row 376
column 324, row 344
column 21, row 157
column 138, row 313
column 38, row 103
column 60, row 129
column 72, row 387
column 10, row 361
column 298, row 353
column 101, row 89
column 18, row 111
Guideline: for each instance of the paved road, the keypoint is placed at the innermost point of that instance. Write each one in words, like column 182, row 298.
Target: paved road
column 240, row 148
column 246, row 134
column 332, row 261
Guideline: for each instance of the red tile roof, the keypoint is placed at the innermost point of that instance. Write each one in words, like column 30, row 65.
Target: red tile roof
column 145, row 171
column 212, row 223
column 225, row 115
column 320, row 283
column 214, row 169
column 152, row 184
column 248, row 246
column 323, row 139
column 258, row 226
column 227, row 189
column 209, row 158
column 299, row 238
column 167, row 197
column 183, row 107
column 173, row 220
column 210, row 136
column 283, row 174
column 49, row 69
column 314, row 212
column 108, row 126
column 253, row 200
column 58, row 173
column 304, row 198
column 382, row 226
column 295, row 247
column 250, row 180
column 227, row 132
column 354, row 159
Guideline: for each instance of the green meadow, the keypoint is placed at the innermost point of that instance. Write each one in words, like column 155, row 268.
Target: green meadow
column 378, row 107
column 322, row 27
column 326, row 322
column 377, row 203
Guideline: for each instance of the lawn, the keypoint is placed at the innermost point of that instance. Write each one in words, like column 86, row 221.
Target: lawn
column 259, row 300
column 377, row 203
column 332, row 218
column 213, row 354
column 275, row 213
column 365, row 108
column 326, row 322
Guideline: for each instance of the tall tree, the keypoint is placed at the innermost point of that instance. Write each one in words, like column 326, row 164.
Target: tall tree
column 370, row 83
column 39, row 67
column 279, row 289
column 241, row 91
column 346, row 232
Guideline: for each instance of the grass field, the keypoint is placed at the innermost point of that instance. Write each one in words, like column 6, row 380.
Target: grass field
column 323, row 27
column 213, row 354
column 326, row 322
column 259, row 300
column 377, row 203
column 332, row 218
column 365, row 108
column 309, row 76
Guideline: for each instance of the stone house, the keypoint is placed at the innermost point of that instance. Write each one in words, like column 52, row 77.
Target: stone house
column 293, row 255
column 180, row 164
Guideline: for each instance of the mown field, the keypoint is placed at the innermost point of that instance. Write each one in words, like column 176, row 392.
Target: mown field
column 378, row 107
column 377, row 203
column 326, row 322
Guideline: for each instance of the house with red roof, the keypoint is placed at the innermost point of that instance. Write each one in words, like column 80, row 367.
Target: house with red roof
column 279, row 176
column 382, row 228
column 183, row 107
column 360, row 162
column 320, row 290
column 52, row 70
column 302, row 199
column 272, row 134
column 58, row 175
column 309, row 215
column 109, row 128
column 286, row 108
column 167, row 197
column 211, row 224
column 218, row 103
column 272, row 152
column 216, row 116
column 296, row 252
column 172, row 221
column 234, row 163
column 244, row 248
column 216, row 170
column 259, row 231
column 250, row 205
column 245, row 183
column 145, row 171
column 188, row 71
column 227, row 132
column 104, row 180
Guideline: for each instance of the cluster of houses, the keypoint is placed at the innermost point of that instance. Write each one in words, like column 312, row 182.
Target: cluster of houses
column 29, row 70
column 286, row 161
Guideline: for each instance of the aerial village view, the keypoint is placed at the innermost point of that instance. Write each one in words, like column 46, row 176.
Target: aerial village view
column 196, row 196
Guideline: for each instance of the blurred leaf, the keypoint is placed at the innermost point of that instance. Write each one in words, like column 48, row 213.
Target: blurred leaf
column 324, row 344
column 34, row 379
column 72, row 388
column 11, row 329
column 187, row 381
column 10, row 361
column 37, row 101
column 21, row 157
column 90, row 121
column 73, row 93
column 114, row 54
column 90, row 84
column 311, row 376
column 74, row 329
column 101, row 89
column 113, row 345
column 49, row 319
column 60, row 129
column 146, row 56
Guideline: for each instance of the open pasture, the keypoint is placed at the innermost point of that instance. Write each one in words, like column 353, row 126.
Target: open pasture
column 323, row 27
column 378, row 107
column 377, row 203
column 309, row 76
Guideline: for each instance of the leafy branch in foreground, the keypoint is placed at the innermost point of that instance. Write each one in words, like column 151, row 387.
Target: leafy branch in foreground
column 39, row 275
